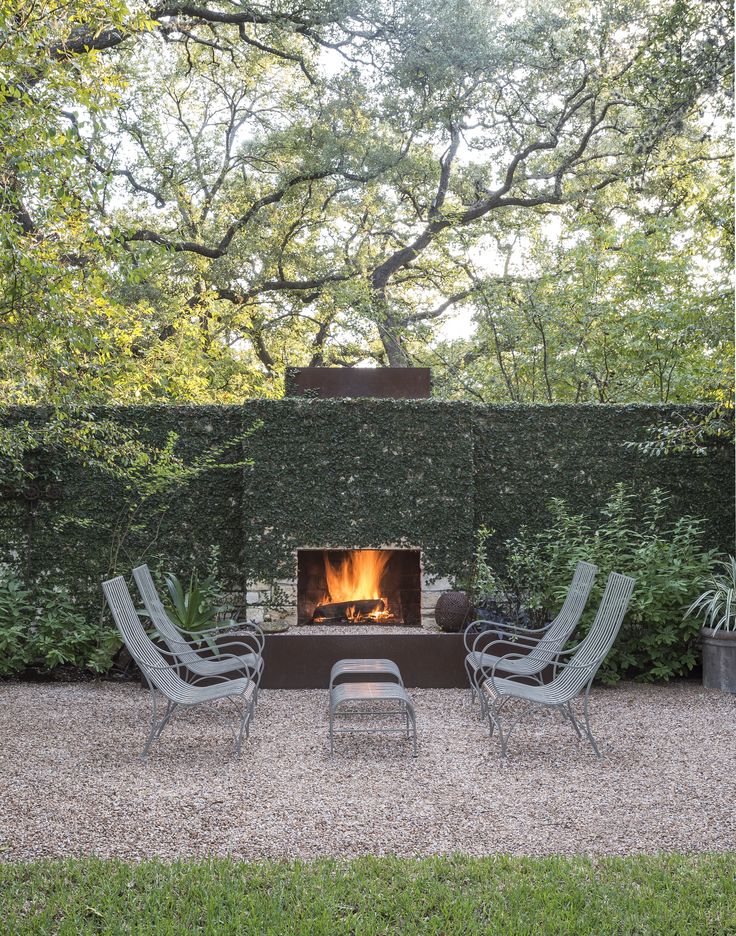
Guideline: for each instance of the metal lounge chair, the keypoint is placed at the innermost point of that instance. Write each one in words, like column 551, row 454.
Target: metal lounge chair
column 543, row 643
column 572, row 677
column 247, row 648
column 165, row 676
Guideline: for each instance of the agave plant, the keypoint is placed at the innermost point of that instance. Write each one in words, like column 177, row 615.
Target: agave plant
column 717, row 605
column 192, row 609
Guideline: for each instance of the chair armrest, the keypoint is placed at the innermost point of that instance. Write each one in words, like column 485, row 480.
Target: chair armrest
column 490, row 671
column 205, row 636
column 207, row 631
column 256, row 632
column 222, row 679
column 518, row 641
column 189, row 654
column 469, row 638
column 241, row 640
column 517, row 628
column 512, row 677
column 250, row 672
column 252, row 626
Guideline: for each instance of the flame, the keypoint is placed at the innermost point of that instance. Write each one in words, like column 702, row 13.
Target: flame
column 357, row 577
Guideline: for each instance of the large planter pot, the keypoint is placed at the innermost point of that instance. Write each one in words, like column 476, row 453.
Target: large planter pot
column 719, row 659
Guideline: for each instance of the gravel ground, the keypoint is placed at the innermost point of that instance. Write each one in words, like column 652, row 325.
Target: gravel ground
column 71, row 782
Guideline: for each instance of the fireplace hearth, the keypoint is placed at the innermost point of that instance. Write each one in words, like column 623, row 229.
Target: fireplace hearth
column 359, row 586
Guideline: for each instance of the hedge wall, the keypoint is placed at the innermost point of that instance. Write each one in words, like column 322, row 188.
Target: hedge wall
column 70, row 519
column 363, row 472
column 524, row 455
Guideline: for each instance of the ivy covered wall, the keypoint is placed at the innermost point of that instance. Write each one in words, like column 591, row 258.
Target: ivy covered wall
column 341, row 473
column 525, row 455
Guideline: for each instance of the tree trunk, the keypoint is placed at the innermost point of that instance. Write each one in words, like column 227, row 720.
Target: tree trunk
column 388, row 329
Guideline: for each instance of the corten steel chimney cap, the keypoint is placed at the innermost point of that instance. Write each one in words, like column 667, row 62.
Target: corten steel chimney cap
column 410, row 383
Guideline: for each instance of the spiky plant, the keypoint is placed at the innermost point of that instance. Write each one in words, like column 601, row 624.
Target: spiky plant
column 717, row 605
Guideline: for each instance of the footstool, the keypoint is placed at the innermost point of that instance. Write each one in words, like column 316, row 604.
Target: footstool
column 365, row 667
column 376, row 691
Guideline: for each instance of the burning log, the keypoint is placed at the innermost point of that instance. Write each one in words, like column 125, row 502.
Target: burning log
column 346, row 610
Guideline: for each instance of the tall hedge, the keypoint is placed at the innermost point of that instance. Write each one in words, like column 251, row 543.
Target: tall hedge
column 340, row 473
column 525, row 455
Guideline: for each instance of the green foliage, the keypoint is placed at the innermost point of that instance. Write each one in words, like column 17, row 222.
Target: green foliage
column 419, row 473
column 609, row 304
column 192, row 609
column 694, row 434
column 17, row 612
column 483, row 581
column 64, row 635
column 194, row 199
column 717, row 604
column 632, row 536
column 42, row 628
column 374, row 472
column 498, row 895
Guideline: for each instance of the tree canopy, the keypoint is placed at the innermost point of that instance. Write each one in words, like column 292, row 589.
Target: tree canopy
column 194, row 196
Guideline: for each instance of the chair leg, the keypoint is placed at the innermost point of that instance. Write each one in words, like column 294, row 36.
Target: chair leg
column 494, row 716
column 568, row 714
column 154, row 723
column 170, row 707
column 493, row 712
column 482, row 699
column 157, row 726
column 582, row 727
column 471, row 681
column 246, row 714
column 588, row 730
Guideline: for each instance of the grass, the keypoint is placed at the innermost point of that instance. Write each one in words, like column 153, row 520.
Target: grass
column 456, row 896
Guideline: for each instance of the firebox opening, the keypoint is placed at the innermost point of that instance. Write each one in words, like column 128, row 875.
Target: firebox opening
column 358, row 586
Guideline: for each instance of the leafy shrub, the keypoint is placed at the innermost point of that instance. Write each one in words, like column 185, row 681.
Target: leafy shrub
column 63, row 635
column 17, row 612
column 630, row 536
column 483, row 580
column 43, row 629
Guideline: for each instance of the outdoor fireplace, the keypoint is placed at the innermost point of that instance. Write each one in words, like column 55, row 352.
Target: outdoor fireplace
column 358, row 586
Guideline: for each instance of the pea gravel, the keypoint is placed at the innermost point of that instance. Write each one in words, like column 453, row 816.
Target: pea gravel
column 71, row 783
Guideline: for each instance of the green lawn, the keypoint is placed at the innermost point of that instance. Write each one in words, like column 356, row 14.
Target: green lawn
column 628, row 896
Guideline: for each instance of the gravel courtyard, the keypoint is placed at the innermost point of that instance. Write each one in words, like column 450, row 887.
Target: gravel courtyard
column 71, row 782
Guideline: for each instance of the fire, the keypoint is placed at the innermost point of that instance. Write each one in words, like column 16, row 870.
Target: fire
column 357, row 577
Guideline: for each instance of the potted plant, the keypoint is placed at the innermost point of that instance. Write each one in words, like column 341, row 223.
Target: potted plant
column 717, row 607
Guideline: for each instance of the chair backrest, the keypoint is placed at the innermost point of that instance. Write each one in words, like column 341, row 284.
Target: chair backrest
column 591, row 652
column 560, row 630
column 572, row 608
column 161, row 621
column 154, row 665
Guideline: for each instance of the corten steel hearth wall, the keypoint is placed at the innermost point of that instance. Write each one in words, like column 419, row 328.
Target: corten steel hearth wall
column 382, row 382
column 426, row 660
column 304, row 661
